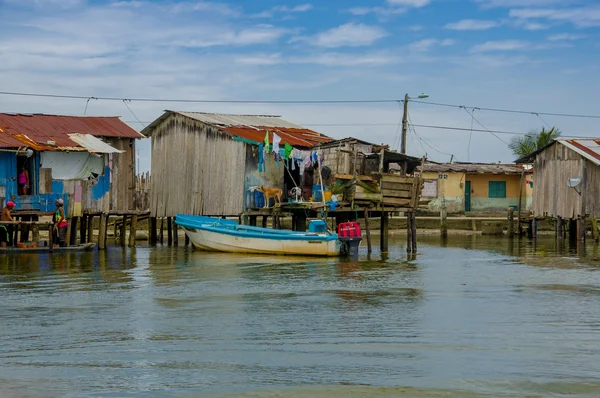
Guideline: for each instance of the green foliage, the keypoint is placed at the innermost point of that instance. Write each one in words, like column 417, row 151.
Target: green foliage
column 531, row 142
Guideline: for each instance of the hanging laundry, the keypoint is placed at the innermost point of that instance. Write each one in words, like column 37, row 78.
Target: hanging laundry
column 267, row 142
column 276, row 141
column 288, row 151
column 261, row 157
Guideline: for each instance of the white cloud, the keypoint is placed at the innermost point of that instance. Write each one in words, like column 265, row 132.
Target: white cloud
column 347, row 35
column 380, row 11
column 565, row 36
column 423, row 45
column 472, row 24
column 270, row 13
column 501, row 45
column 524, row 3
column 447, row 42
column 408, row 3
column 584, row 17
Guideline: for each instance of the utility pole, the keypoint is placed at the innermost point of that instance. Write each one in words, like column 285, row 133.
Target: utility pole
column 404, row 125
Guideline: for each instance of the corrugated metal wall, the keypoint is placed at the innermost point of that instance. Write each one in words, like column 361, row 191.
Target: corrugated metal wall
column 196, row 169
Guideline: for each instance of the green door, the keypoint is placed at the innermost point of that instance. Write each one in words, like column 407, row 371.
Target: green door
column 467, row 195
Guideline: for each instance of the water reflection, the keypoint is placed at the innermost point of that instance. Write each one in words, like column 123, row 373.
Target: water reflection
column 467, row 316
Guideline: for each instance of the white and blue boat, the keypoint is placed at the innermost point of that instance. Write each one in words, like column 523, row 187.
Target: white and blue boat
column 217, row 234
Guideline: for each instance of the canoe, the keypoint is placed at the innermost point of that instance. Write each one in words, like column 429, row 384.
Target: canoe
column 216, row 234
column 45, row 249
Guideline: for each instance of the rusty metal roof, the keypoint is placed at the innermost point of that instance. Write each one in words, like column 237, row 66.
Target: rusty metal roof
column 588, row 148
column 473, row 168
column 251, row 127
column 92, row 144
column 51, row 132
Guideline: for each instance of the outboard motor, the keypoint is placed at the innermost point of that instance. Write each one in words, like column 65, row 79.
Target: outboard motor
column 350, row 236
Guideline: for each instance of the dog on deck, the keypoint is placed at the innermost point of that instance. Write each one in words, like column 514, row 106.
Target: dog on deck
column 275, row 193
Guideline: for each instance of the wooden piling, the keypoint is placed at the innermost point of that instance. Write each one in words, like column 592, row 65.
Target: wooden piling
column 581, row 229
column 162, row 231
column 83, row 229
column 122, row 238
column 443, row 222
column 301, row 222
column 132, row 230
column 511, row 222
column 368, row 230
column 73, row 234
column 90, row 228
column 187, row 240
column 36, row 233
column 408, row 232
column 384, row 231
column 169, row 231
column 413, row 224
column 51, row 238
column 15, row 236
column 560, row 228
column 533, row 228
column 102, row 232
column 175, row 234
column 152, row 236
column 69, row 228
column 252, row 221
column 595, row 229
column 265, row 220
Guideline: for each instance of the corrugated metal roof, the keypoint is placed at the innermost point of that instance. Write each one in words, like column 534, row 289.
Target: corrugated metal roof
column 37, row 130
column 93, row 144
column 230, row 120
column 475, row 168
column 251, row 127
column 589, row 148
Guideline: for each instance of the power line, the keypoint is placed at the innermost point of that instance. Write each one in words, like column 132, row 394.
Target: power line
column 81, row 97
column 361, row 101
column 508, row 110
column 411, row 125
column 136, row 118
column 543, row 121
column 478, row 122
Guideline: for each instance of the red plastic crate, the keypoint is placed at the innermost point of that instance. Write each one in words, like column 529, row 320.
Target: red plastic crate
column 349, row 230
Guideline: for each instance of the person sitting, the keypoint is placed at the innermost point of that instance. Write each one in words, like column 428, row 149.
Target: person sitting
column 6, row 230
column 23, row 180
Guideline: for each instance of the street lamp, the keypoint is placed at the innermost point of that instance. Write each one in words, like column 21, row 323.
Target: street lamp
column 405, row 121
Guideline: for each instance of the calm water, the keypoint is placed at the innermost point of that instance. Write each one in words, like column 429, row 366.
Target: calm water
column 469, row 317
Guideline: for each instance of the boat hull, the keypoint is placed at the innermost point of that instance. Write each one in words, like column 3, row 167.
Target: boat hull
column 212, row 241
column 212, row 234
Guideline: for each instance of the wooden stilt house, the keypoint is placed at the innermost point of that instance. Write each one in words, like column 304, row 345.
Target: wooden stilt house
column 206, row 163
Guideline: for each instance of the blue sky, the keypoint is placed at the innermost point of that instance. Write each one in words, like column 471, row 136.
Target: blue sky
column 533, row 55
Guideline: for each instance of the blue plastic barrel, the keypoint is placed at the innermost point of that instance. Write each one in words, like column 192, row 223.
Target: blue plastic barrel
column 259, row 199
column 317, row 194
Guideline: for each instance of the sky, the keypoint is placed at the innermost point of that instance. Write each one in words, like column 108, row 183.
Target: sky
column 529, row 55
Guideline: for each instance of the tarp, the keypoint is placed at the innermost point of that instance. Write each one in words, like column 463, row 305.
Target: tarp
column 73, row 165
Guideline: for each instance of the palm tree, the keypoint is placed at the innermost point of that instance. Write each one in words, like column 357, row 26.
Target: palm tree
column 531, row 142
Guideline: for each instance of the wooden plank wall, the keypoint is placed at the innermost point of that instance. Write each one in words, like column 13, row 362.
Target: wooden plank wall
column 401, row 191
column 196, row 169
column 551, row 195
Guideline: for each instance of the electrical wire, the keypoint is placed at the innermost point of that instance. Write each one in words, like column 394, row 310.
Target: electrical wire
column 478, row 122
column 470, row 136
column 543, row 121
column 365, row 101
column 136, row 118
column 411, row 125
column 508, row 110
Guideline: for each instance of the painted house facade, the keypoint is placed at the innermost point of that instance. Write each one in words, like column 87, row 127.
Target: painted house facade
column 87, row 161
column 476, row 187
column 206, row 163
column 562, row 160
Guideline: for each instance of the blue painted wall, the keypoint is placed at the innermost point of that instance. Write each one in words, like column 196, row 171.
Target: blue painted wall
column 8, row 180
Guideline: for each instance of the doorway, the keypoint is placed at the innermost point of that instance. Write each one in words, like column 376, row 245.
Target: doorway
column 28, row 164
column 467, row 196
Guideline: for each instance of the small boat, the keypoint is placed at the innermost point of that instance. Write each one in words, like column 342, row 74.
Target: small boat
column 217, row 234
column 86, row 247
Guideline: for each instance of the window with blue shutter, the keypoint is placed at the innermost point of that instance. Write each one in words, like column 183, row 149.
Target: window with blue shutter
column 497, row 189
